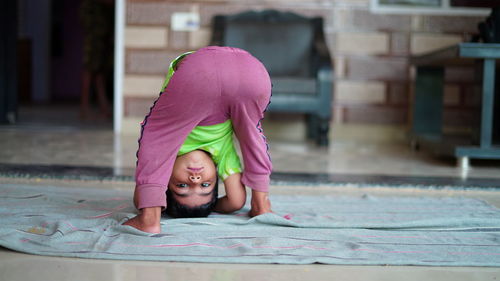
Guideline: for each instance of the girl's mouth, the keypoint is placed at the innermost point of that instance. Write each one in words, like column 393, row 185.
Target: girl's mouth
column 196, row 170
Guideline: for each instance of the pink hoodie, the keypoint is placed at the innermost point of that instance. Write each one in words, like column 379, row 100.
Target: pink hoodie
column 210, row 86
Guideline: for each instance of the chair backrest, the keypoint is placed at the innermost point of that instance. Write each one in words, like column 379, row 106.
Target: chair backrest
column 283, row 41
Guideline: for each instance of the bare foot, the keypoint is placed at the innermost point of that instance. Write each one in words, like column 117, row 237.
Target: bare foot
column 148, row 220
column 260, row 204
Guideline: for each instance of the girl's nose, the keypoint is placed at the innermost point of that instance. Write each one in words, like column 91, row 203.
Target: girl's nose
column 194, row 179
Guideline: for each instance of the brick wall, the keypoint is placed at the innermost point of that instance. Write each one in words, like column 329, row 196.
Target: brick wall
column 370, row 52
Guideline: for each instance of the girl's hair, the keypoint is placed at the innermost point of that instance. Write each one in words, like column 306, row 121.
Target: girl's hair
column 178, row 210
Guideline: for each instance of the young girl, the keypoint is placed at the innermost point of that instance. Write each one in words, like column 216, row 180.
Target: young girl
column 213, row 92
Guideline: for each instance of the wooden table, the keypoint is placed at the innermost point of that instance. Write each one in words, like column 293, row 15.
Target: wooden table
column 428, row 100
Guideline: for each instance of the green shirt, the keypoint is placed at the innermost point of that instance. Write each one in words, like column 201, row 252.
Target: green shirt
column 215, row 139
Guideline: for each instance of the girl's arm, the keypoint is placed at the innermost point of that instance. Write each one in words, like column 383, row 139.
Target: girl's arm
column 235, row 195
column 246, row 115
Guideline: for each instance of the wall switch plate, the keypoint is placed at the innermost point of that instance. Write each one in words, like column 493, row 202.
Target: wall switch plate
column 185, row 21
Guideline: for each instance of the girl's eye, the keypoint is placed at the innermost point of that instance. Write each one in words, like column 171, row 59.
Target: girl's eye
column 182, row 185
column 205, row 184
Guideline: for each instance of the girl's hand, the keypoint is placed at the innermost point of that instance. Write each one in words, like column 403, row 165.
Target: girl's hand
column 148, row 220
column 260, row 203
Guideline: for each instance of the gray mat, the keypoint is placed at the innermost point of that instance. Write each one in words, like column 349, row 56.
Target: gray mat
column 364, row 230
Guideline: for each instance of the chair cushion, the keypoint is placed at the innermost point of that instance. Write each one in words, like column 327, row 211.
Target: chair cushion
column 294, row 86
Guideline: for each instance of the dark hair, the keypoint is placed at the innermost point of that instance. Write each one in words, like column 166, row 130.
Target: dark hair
column 178, row 210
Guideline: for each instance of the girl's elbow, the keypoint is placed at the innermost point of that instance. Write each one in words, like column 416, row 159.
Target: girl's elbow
column 238, row 204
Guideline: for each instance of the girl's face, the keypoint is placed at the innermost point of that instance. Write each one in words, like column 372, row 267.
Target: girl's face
column 193, row 178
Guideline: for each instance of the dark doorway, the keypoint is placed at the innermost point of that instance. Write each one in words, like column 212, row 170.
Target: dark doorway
column 50, row 65
column 8, row 64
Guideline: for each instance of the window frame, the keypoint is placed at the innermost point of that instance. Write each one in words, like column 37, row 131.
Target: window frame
column 444, row 9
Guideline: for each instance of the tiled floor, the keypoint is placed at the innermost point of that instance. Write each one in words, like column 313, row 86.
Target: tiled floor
column 90, row 147
column 33, row 143
column 55, row 135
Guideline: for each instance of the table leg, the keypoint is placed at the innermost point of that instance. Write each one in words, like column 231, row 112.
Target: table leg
column 463, row 163
column 487, row 103
column 428, row 102
column 485, row 150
